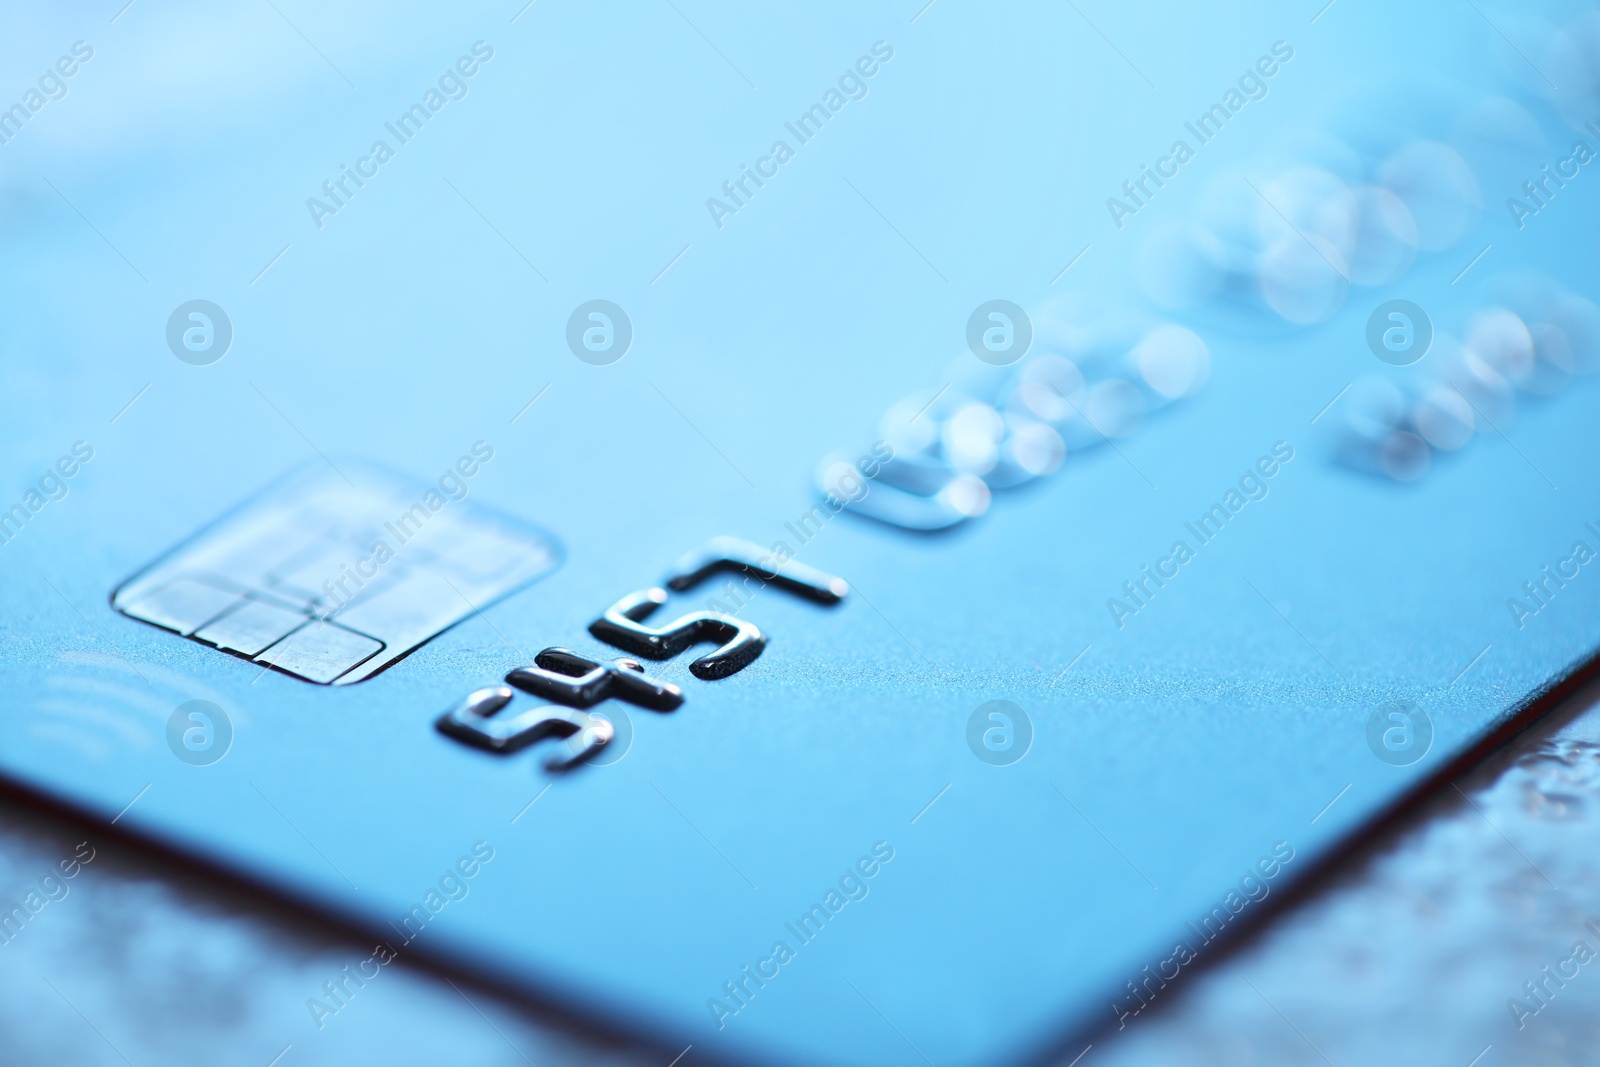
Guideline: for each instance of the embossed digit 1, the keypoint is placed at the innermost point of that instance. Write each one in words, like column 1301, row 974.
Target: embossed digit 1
column 623, row 627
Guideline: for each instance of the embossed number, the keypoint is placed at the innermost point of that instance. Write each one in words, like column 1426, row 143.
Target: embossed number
column 623, row 626
column 475, row 720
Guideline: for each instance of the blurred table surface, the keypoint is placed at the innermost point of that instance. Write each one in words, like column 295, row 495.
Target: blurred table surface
column 1407, row 953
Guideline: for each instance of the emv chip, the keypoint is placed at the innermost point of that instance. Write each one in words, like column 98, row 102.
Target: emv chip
column 332, row 580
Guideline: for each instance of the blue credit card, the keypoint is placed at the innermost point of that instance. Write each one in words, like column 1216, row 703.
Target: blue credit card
column 865, row 536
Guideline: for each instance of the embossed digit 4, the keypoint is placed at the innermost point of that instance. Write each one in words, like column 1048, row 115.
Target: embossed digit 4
column 564, row 676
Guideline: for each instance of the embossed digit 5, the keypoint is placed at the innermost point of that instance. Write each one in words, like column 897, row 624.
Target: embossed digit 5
column 623, row 627
column 475, row 720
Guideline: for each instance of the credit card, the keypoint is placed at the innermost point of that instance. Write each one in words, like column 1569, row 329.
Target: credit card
column 876, row 536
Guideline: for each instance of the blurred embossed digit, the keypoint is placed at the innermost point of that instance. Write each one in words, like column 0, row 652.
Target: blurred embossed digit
column 475, row 720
